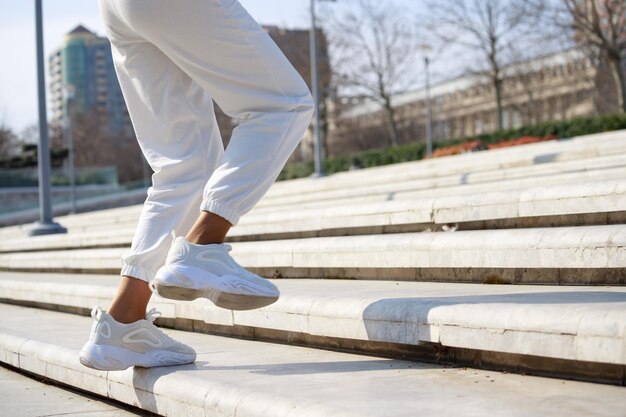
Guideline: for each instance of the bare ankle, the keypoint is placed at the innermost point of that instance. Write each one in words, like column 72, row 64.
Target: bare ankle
column 209, row 228
column 125, row 317
column 203, row 240
column 131, row 300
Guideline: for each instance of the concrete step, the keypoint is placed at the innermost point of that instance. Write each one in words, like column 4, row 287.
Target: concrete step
column 253, row 379
column 123, row 198
column 581, row 204
column 459, row 190
column 92, row 220
column 574, row 331
column 127, row 217
column 558, row 255
column 453, row 172
column 401, row 184
column 364, row 194
column 583, row 147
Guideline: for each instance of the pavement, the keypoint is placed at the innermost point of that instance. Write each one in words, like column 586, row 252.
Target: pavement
column 21, row 396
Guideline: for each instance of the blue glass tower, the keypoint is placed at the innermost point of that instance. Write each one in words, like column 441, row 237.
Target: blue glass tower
column 84, row 62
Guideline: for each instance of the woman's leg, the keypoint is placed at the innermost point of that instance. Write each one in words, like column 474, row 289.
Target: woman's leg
column 220, row 46
column 176, row 50
column 175, row 125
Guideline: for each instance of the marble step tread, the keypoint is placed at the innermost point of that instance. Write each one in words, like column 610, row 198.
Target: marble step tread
column 586, row 324
column 468, row 178
column 233, row 377
column 579, row 148
column 584, row 247
column 417, row 169
column 437, row 190
column 586, row 202
column 102, row 220
column 26, row 217
column 128, row 216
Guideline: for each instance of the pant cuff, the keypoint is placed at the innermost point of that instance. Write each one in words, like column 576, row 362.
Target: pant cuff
column 138, row 272
column 223, row 210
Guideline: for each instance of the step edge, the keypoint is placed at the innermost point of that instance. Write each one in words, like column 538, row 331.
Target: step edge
column 312, row 321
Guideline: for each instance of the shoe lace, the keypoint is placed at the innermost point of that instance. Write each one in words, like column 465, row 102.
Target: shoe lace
column 96, row 313
column 152, row 315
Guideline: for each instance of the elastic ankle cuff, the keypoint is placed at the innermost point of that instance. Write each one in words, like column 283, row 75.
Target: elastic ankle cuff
column 136, row 271
column 227, row 212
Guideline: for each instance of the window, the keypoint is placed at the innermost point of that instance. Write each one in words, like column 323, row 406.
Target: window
column 506, row 122
column 516, row 119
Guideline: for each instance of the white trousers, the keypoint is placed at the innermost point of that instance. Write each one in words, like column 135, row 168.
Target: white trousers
column 171, row 58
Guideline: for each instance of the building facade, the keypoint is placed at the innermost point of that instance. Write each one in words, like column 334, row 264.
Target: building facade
column 553, row 87
column 83, row 65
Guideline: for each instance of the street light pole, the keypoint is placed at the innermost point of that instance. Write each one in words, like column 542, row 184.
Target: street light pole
column 46, row 225
column 68, row 90
column 319, row 164
column 429, row 118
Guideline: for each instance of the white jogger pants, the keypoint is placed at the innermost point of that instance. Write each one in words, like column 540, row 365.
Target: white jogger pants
column 171, row 58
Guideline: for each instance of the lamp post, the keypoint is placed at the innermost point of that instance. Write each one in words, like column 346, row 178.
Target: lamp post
column 429, row 116
column 46, row 225
column 427, row 49
column 317, row 133
column 68, row 91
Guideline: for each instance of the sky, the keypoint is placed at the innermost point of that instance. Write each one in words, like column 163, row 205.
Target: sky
column 18, row 78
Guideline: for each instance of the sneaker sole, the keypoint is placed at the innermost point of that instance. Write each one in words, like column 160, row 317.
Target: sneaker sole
column 220, row 299
column 114, row 358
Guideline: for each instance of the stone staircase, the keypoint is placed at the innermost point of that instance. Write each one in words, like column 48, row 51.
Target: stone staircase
column 511, row 261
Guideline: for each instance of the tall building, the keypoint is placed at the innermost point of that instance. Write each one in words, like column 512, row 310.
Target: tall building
column 84, row 63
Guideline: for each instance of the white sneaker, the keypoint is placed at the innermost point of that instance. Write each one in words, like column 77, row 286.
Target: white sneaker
column 115, row 346
column 192, row 271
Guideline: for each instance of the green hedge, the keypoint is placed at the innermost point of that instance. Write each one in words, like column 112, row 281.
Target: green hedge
column 415, row 151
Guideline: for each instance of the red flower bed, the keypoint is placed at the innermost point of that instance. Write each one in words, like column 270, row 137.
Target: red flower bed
column 469, row 146
column 478, row 145
column 521, row 141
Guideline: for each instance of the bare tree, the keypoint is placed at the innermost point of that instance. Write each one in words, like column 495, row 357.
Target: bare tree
column 524, row 79
column 8, row 142
column 30, row 133
column 95, row 146
column 373, row 46
column 91, row 147
column 600, row 27
column 488, row 27
column 530, row 108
